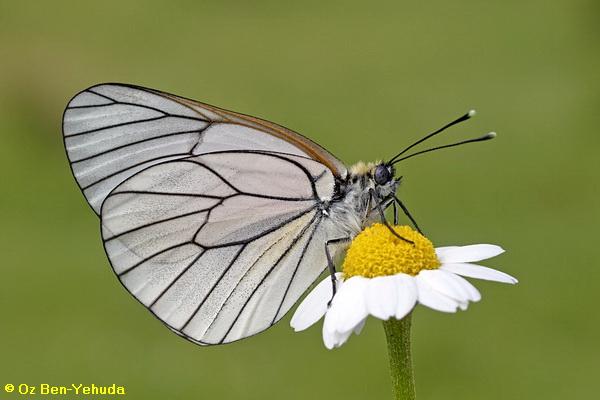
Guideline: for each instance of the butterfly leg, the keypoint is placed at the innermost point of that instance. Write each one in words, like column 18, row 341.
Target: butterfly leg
column 382, row 215
column 406, row 212
column 331, row 264
column 395, row 213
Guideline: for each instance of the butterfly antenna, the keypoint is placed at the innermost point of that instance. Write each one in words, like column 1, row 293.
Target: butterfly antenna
column 465, row 117
column 485, row 137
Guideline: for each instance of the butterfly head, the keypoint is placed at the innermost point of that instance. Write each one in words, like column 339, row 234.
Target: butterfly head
column 383, row 174
column 378, row 175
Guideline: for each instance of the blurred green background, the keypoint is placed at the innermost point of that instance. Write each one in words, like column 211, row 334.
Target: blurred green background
column 364, row 80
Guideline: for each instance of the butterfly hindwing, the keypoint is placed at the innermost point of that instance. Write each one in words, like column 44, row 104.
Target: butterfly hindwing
column 209, row 249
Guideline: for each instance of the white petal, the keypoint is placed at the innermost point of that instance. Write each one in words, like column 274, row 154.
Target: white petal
column 358, row 329
column 479, row 272
column 342, row 338
column 462, row 254
column 440, row 281
column 443, row 249
column 381, row 297
column 332, row 338
column 407, row 294
column 474, row 294
column 433, row 299
column 348, row 307
column 314, row 306
column 329, row 338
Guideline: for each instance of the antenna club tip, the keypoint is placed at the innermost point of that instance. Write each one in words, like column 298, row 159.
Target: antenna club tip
column 491, row 135
column 471, row 113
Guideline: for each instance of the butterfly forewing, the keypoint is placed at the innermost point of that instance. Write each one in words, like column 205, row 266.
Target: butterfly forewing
column 113, row 131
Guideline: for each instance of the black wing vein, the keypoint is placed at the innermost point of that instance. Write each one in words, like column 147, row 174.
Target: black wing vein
column 308, row 242
column 281, row 257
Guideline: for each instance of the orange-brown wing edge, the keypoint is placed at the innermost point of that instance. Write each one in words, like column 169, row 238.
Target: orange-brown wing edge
column 309, row 147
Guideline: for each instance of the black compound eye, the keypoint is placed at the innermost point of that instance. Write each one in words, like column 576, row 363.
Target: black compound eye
column 382, row 175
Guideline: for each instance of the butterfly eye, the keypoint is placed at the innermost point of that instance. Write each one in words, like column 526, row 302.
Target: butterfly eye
column 382, row 175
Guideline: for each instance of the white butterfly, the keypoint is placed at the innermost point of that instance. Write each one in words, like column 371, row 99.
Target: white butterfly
column 217, row 222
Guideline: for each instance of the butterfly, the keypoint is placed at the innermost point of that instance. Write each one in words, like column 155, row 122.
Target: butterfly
column 217, row 222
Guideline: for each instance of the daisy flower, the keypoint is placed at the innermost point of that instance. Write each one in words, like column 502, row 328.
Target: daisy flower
column 385, row 277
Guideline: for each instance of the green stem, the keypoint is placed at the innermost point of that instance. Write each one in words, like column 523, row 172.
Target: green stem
column 398, row 340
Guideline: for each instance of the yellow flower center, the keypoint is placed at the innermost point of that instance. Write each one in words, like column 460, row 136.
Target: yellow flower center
column 378, row 252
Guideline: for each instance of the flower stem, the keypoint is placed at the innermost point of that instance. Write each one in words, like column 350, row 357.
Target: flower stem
column 397, row 333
